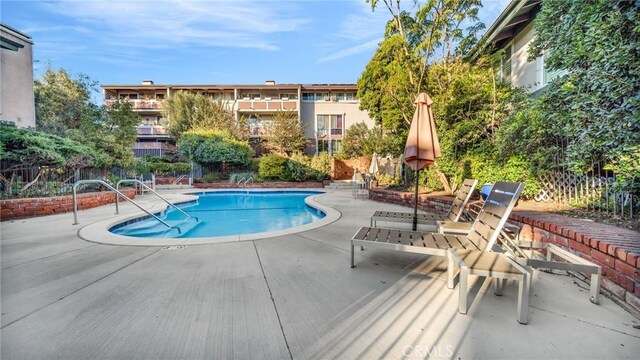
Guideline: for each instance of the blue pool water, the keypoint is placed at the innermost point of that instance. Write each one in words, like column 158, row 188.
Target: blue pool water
column 228, row 213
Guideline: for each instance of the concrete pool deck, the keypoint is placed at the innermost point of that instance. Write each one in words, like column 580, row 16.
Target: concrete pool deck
column 290, row 296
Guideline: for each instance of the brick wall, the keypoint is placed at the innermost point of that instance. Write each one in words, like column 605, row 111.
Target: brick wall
column 616, row 250
column 24, row 208
column 343, row 169
column 267, row 185
column 170, row 180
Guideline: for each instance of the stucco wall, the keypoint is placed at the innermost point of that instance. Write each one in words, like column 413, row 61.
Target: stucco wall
column 353, row 115
column 524, row 73
column 16, row 93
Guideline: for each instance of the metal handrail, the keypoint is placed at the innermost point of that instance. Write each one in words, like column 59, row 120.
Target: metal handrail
column 178, row 179
column 242, row 179
column 118, row 193
column 150, row 189
column 246, row 181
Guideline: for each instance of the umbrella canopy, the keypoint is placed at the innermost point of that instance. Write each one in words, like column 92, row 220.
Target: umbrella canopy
column 422, row 148
column 373, row 168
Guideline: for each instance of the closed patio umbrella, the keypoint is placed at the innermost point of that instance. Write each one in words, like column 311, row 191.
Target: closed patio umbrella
column 422, row 148
column 373, row 168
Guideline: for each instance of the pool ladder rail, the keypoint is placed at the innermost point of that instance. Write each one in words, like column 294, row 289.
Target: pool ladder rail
column 243, row 182
column 118, row 193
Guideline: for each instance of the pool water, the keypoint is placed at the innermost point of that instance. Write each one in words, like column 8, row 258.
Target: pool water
column 228, row 213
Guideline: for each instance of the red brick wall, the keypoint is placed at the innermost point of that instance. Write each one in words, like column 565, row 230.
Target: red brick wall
column 267, row 185
column 170, row 180
column 343, row 169
column 616, row 250
column 24, row 208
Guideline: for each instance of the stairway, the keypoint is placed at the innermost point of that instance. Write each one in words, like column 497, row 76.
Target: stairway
column 340, row 184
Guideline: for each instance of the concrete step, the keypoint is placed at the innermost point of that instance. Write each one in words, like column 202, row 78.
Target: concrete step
column 173, row 187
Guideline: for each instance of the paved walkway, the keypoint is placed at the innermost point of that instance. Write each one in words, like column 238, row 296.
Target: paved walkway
column 287, row 297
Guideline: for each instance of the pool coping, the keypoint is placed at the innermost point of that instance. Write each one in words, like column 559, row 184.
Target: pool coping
column 98, row 232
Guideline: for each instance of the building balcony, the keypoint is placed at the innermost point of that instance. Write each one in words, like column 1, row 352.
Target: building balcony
column 265, row 105
column 152, row 130
column 139, row 104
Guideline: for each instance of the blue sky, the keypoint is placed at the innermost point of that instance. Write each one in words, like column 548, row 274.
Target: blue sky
column 206, row 42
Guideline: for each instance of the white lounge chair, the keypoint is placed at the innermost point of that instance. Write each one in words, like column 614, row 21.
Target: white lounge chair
column 455, row 211
column 481, row 238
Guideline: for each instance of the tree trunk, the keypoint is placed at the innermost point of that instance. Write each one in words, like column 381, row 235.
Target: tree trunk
column 444, row 181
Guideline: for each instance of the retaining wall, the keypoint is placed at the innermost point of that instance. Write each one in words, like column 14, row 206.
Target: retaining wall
column 29, row 207
column 616, row 250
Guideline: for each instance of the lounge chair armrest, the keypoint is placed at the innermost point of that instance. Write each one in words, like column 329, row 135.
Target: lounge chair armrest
column 449, row 227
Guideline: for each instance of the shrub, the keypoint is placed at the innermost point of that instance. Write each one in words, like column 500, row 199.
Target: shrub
column 214, row 146
column 273, row 167
column 209, row 178
column 322, row 164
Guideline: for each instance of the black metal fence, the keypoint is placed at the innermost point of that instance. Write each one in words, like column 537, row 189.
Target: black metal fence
column 39, row 181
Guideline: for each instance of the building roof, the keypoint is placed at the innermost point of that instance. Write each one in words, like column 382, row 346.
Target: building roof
column 517, row 15
column 12, row 44
column 229, row 87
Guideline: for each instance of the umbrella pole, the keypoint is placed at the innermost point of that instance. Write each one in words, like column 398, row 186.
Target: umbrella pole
column 415, row 205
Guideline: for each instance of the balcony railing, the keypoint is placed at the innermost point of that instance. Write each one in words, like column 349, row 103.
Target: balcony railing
column 267, row 105
column 139, row 104
column 325, row 132
column 151, row 130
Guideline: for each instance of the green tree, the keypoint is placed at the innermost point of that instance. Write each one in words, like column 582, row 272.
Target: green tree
column 595, row 106
column 62, row 102
column 111, row 133
column 214, row 146
column 24, row 147
column 285, row 134
column 186, row 111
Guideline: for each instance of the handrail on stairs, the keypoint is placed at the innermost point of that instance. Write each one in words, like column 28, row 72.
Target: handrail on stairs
column 153, row 191
column 118, row 193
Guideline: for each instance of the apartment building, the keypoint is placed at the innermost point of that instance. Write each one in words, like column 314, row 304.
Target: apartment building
column 16, row 94
column 325, row 110
column 513, row 32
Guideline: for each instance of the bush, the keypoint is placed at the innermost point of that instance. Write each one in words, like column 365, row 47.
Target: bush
column 273, row 167
column 322, row 164
column 214, row 146
column 209, row 178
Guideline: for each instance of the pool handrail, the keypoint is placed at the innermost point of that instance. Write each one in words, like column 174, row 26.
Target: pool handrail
column 250, row 178
column 155, row 193
column 118, row 193
column 242, row 179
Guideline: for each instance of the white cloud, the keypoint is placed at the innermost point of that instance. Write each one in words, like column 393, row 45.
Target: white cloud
column 165, row 24
column 354, row 50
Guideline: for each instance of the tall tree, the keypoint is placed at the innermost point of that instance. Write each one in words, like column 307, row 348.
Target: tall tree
column 62, row 102
column 285, row 134
column 595, row 106
column 186, row 111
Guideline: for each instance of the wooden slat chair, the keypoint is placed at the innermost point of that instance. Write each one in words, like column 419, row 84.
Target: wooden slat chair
column 481, row 238
column 455, row 211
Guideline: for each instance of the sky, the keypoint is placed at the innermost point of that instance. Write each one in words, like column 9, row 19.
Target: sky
column 206, row 41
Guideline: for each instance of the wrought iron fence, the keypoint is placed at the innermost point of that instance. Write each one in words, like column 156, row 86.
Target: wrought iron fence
column 38, row 181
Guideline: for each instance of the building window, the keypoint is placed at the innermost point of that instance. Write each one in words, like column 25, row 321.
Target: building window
column 291, row 96
column 252, row 96
column 505, row 64
column 258, row 126
column 329, row 125
column 159, row 96
column 329, row 146
column 128, row 96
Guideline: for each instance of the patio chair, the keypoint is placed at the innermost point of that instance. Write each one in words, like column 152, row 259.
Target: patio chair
column 455, row 211
column 481, row 238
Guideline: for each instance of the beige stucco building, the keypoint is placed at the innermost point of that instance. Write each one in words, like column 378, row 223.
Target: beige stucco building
column 324, row 110
column 16, row 77
column 513, row 32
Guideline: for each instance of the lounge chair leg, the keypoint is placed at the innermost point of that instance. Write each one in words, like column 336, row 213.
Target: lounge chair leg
column 498, row 286
column 462, row 299
column 450, row 272
column 523, row 298
column 595, row 288
column 352, row 254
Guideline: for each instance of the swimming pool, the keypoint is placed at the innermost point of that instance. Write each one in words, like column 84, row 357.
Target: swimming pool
column 225, row 213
